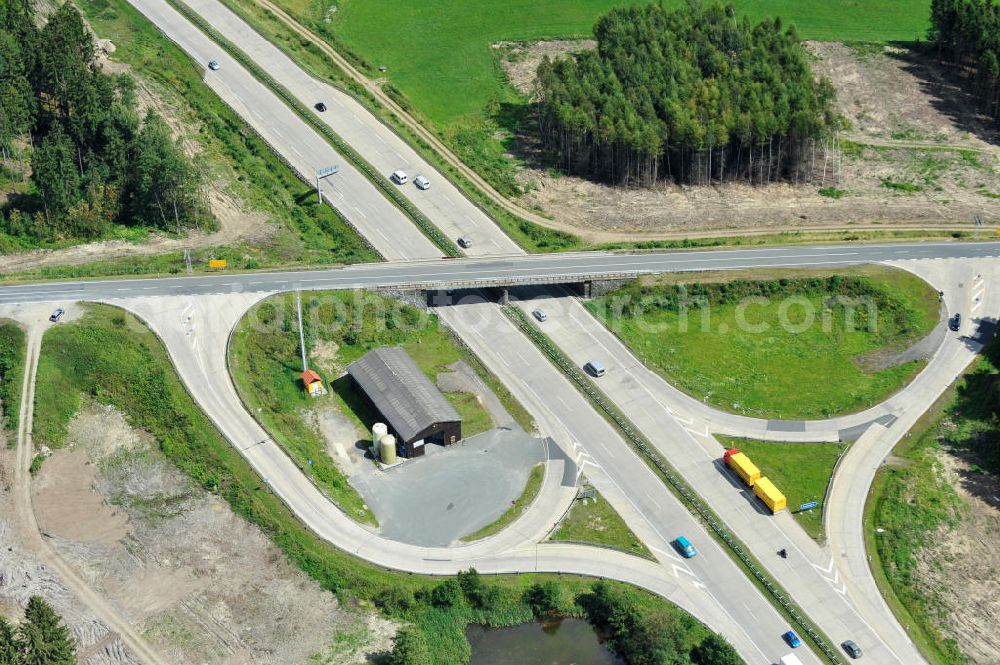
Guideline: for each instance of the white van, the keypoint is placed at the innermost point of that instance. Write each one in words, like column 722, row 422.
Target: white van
column 595, row 368
column 399, row 177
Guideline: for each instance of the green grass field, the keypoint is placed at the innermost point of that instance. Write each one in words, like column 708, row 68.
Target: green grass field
column 593, row 520
column 785, row 357
column 441, row 58
column 801, row 471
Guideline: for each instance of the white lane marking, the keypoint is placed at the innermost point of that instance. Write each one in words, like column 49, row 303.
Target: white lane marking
column 358, row 210
column 295, row 151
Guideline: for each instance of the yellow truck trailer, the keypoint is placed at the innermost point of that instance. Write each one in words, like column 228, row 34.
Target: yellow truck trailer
column 769, row 494
column 742, row 465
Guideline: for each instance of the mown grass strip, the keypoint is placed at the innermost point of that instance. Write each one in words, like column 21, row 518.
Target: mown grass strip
column 780, row 598
column 593, row 521
column 381, row 182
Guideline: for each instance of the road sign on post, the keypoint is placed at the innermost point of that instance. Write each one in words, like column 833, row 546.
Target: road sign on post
column 807, row 506
column 322, row 173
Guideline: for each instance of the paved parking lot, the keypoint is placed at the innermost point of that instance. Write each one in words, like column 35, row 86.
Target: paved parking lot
column 450, row 492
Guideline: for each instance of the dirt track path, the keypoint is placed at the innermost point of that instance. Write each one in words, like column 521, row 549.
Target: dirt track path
column 24, row 513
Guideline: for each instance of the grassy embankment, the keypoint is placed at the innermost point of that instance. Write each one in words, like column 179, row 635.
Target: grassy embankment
column 266, row 365
column 765, row 359
column 231, row 154
column 800, row 470
column 112, row 358
column 12, row 351
column 594, row 521
column 916, row 506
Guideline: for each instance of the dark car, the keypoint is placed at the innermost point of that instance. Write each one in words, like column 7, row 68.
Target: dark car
column 852, row 649
column 320, row 106
column 956, row 322
column 56, row 315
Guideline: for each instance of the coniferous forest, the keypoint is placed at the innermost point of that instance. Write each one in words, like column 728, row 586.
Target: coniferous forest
column 967, row 33
column 92, row 161
column 695, row 95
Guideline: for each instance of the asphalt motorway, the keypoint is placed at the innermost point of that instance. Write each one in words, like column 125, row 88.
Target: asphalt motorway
column 472, row 272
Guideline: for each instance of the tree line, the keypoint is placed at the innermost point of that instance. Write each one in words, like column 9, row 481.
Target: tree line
column 41, row 639
column 967, row 33
column 695, row 95
column 92, row 161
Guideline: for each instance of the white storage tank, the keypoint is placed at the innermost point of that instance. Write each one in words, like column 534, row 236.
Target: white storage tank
column 378, row 431
column 387, row 449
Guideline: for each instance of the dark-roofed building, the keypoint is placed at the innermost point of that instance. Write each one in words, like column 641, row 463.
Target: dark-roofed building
column 413, row 408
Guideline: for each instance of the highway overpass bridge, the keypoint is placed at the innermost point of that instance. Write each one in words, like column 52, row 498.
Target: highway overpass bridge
column 519, row 270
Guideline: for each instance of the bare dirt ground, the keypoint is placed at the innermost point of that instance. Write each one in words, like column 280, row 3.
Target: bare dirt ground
column 205, row 586
column 521, row 59
column 236, row 222
column 896, row 101
column 962, row 575
column 22, row 576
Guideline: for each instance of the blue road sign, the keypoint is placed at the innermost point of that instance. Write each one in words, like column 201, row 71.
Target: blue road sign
column 807, row 506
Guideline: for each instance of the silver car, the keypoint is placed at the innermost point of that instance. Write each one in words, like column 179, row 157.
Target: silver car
column 465, row 242
column 214, row 65
column 540, row 315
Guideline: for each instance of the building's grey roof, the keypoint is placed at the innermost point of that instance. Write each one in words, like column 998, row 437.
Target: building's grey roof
column 404, row 395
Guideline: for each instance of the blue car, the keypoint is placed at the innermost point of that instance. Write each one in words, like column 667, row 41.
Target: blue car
column 792, row 639
column 685, row 547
